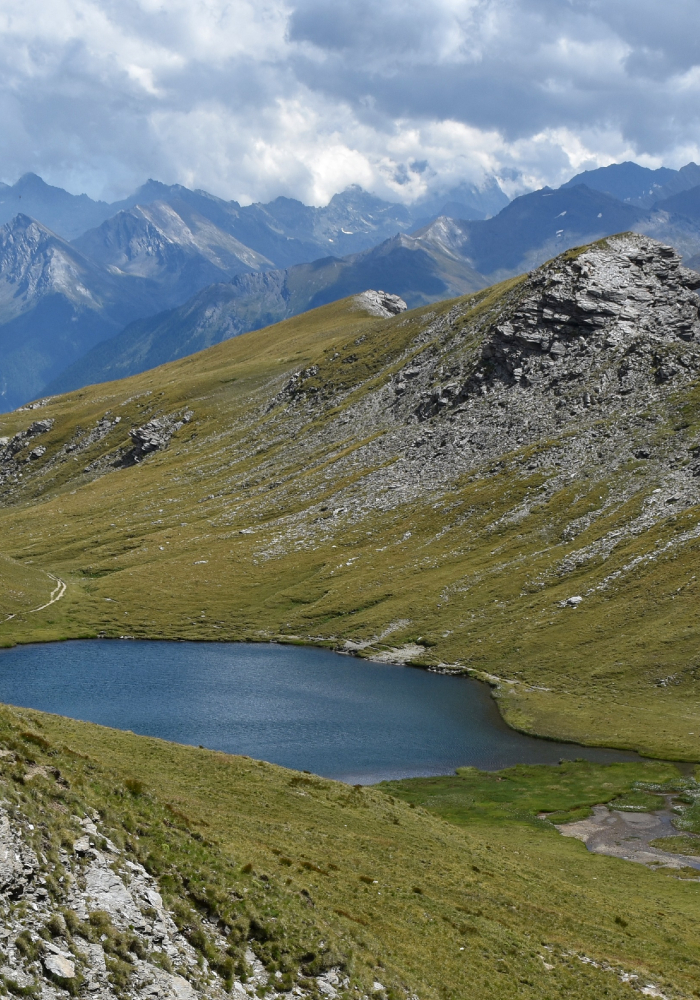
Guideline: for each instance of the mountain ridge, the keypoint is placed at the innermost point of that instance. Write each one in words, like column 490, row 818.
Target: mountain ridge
column 637, row 185
column 448, row 257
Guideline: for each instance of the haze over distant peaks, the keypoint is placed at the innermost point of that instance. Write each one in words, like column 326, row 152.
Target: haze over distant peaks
column 55, row 304
column 66, row 214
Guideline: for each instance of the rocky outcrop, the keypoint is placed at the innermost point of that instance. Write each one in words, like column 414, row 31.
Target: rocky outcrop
column 154, row 436
column 10, row 446
column 636, row 295
column 11, row 460
column 19, row 462
column 382, row 304
column 585, row 334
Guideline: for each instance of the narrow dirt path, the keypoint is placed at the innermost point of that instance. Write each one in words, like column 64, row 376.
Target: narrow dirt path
column 56, row 595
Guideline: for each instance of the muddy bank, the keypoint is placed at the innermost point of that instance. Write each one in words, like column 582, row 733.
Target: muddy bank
column 629, row 835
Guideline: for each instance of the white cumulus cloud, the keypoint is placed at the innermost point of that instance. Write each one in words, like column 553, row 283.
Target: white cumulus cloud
column 254, row 99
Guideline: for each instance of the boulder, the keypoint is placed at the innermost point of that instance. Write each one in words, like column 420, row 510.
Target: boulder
column 378, row 303
column 58, row 965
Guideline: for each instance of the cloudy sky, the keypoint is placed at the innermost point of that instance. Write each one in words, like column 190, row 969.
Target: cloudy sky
column 251, row 99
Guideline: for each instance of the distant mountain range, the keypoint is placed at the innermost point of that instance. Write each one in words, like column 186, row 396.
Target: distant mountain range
column 92, row 291
column 74, row 271
column 285, row 230
column 55, row 304
column 421, row 269
column 637, row 185
column 446, row 258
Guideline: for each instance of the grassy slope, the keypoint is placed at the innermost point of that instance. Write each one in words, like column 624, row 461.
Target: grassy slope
column 22, row 588
column 246, row 527
column 404, row 897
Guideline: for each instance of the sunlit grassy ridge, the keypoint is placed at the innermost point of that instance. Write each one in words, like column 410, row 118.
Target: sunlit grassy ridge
column 274, row 514
column 314, row 873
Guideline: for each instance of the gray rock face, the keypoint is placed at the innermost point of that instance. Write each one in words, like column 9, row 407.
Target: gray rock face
column 10, row 446
column 59, row 965
column 579, row 336
column 106, row 881
column 603, row 300
column 18, row 863
column 380, row 303
column 154, row 436
column 11, row 461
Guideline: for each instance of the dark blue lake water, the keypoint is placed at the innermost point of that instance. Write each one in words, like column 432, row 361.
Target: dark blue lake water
column 293, row 705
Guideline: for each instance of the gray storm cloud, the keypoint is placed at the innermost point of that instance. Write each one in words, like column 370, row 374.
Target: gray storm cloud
column 255, row 99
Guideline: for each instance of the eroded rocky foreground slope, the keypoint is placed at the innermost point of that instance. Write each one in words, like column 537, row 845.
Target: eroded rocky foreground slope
column 81, row 916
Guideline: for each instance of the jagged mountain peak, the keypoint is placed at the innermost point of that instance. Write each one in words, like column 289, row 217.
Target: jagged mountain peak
column 170, row 242
column 27, row 246
column 23, row 223
column 444, row 232
column 355, row 197
column 154, row 190
column 31, row 184
column 31, row 181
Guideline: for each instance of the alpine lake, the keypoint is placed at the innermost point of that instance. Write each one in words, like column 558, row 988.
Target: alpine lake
column 304, row 708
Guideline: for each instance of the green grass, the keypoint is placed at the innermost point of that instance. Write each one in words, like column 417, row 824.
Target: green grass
column 564, row 792
column 678, row 845
column 255, row 525
column 638, row 800
column 312, row 872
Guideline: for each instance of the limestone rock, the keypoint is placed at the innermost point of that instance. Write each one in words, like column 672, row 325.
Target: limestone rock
column 155, row 435
column 82, row 845
column 378, row 303
column 123, row 889
column 18, row 863
column 10, row 448
column 58, row 965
